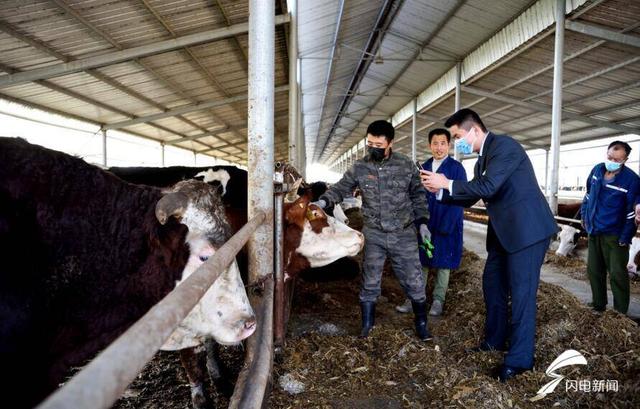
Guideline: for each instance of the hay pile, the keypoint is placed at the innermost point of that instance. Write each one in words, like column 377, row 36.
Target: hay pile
column 392, row 369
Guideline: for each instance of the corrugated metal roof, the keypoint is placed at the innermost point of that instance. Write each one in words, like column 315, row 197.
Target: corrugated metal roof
column 593, row 71
column 505, row 47
column 601, row 80
column 35, row 34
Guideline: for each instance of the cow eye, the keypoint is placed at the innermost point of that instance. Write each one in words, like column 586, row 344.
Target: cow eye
column 204, row 258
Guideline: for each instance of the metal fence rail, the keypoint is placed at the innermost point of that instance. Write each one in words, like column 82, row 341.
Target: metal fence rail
column 559, row 218
column 104, row 380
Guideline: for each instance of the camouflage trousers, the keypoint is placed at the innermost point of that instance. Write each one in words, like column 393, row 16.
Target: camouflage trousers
column 401, row 247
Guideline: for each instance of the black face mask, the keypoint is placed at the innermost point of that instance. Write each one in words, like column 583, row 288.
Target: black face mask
column 376, row 154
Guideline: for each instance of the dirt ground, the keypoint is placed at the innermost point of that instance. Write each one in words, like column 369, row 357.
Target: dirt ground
column 163, row 383
column 392, row 369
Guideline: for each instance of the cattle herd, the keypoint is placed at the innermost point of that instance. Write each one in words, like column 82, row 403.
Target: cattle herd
column 86, row 252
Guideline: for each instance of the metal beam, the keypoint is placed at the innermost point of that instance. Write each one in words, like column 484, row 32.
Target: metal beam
column 329, row 69
column 184, row 109
column 169, row 84
column 293, row 85
column 128, row 54
column 546, row 108
column 414, row 124
column 603, row 33
column 386, row 15
column 457, row 103
column 420, row 46
column 205, row 134
column 209, row 77
column 556, row 110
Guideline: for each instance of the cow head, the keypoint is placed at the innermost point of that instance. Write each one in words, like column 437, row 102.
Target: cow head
column 634, row 249
column 568, row 237
column 314, row 239
column 224, row 312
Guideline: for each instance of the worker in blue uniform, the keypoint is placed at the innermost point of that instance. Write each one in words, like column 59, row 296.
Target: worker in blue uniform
column 608, row 217
column 445, row 223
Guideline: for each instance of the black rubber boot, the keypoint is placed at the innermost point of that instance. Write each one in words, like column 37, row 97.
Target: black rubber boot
column 420, row 311
column 368, row 317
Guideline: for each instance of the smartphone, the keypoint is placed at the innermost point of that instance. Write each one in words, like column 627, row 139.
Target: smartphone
column 419, row 166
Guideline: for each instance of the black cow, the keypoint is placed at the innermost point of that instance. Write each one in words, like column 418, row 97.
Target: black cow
column 84, row 255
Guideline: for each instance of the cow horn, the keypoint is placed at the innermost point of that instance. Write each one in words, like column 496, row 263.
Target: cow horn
column 292, row 196
column 171, row 204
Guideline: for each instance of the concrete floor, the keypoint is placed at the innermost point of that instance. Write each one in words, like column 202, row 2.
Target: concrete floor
column 474, row 240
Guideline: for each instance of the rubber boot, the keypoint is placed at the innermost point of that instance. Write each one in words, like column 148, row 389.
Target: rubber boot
column 420, row 311
column 368, row 309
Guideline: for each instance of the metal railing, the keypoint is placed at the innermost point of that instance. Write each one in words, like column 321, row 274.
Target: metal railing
column 118, row 365
column 251, row 387
column 560, row 218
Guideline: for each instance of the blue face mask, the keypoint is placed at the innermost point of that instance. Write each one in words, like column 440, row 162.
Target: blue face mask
column 464, row 147
column 612, row 166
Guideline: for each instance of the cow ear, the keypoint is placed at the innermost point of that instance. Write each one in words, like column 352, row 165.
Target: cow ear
column 171, row 204
column 292, row 196
column 296, row 212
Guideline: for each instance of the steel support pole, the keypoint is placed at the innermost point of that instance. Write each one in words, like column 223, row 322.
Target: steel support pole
column 546, row 174
column 456, row 107
column 302, row 145
column 414, row 127
column 162, row 147
column 279, row 302
column 293, row 84
column 556, row 112
column 260, row 167
column 104, row 147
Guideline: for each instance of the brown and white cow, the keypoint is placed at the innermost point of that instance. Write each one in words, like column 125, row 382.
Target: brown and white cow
column 313, row 238
column 85, row 254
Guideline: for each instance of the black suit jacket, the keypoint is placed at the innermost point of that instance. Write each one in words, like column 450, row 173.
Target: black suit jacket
column 519, row 215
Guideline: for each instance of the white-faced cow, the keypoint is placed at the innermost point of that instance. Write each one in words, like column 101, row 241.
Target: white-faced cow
column 312, row 238
column 634, row 257
column 85, row 254
column 570, row 232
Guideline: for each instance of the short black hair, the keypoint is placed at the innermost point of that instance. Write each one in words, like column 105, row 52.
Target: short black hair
column 624, row 146
column 462, row 117
column 439, row 131
column 381, row 128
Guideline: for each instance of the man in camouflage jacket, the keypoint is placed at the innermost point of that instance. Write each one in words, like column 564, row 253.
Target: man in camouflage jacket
column 392, row 200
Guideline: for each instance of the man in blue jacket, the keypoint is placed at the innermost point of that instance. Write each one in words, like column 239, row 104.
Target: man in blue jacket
column 608, row 216
column 520, row 226
column 445, row 223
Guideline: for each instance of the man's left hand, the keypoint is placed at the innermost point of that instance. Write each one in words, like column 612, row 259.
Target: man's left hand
column 638, row 214
column 433, row 181
column 425, row 234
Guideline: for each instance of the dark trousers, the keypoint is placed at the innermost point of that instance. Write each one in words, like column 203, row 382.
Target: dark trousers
column 401, row 247
column 516, row 274
column 605, row 254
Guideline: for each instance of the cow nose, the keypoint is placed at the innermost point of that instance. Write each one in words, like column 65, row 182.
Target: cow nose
column 250, row 323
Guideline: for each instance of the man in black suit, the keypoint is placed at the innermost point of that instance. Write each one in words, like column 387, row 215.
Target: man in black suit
column 520, row 226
